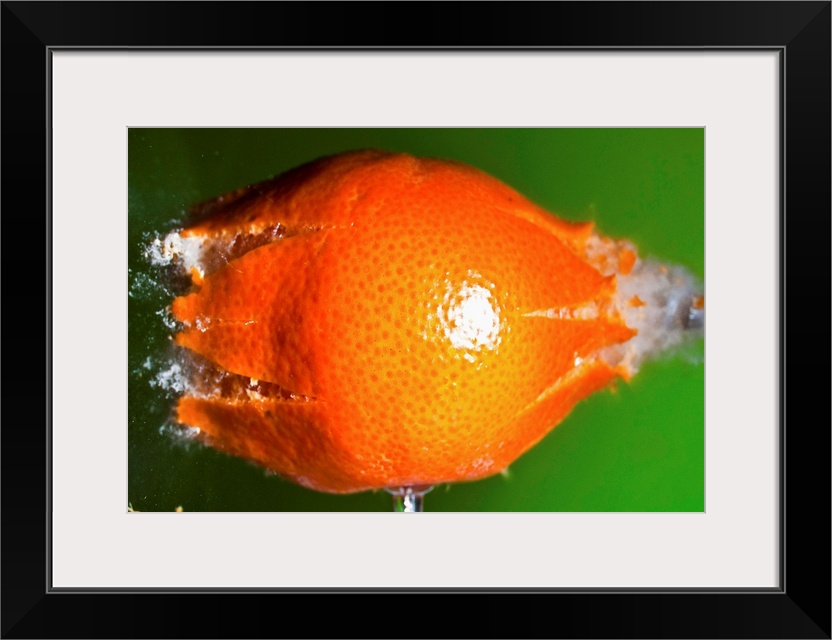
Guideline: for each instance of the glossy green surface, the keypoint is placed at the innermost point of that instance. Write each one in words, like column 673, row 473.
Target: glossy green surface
column 638, row 448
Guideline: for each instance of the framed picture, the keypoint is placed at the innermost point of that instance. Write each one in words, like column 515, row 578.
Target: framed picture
column 133, row 113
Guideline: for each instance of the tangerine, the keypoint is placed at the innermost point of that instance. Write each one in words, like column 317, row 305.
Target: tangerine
column 375, row 320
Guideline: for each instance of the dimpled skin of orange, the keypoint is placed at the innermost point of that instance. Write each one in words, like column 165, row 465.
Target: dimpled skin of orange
column 405, row 312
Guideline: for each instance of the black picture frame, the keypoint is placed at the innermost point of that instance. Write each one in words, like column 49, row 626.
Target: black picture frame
column 799, row 31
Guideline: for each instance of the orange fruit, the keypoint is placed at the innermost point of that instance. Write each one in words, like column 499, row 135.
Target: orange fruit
column 377, row 320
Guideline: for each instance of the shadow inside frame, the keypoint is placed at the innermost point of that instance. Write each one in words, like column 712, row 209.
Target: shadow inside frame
column 800, row 608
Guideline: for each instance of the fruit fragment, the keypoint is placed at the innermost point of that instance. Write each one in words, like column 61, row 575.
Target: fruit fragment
column 375, row 320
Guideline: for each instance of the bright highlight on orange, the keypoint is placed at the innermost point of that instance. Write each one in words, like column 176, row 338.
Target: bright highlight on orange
column 376, row 320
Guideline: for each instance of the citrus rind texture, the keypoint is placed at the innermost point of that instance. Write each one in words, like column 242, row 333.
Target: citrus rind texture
column 376, row 320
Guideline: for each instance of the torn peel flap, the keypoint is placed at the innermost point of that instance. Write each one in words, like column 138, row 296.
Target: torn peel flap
column 251, row 325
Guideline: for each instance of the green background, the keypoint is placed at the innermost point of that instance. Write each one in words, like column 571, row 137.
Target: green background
column 637, row 448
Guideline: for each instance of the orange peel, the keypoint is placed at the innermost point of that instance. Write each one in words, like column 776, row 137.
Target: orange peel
column 374, row 320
